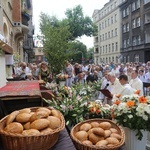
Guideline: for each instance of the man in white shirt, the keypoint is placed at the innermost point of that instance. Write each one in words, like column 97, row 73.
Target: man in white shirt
column 127, row 89
column 136, row 83
column 115, row 86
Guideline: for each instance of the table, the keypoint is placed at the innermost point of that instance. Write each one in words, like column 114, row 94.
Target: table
column 19, row 94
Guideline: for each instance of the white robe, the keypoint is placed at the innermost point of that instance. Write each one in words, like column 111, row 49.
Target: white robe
column 127, row 90
column 137, row 84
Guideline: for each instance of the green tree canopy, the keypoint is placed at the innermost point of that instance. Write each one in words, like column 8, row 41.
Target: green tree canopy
column 56, row 34
column 79, row 24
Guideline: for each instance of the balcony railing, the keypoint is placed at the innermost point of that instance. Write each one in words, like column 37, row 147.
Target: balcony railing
column 25, row 18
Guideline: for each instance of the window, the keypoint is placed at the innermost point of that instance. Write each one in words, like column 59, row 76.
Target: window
column 138, row 4
column 112, row 20
column 136, row 58
column 124, row 13
column 124, row 44
column 127, row 11
column 109, row 34
column 103, row 37
column 108, row 21
column 116, row 32
column 109, row 59
column 111, row 6
column 103, row 49
column 133, row 23
column 106, row 48
column 112, row 33
column 106, row 36
column 100, row 50
column 128, row 42
column 124, row 28
column 100, row 26
column 113, row 59
column 133, row 6
column 100, row 38
column 105, row 23
column 134, row 41
column 139, row 40
column 115, row 4
column 112, row 47
column 138, row 22
column 116, row 46
column 115, row 17
column 109, row 47
column 146, row 1
column 127, row 25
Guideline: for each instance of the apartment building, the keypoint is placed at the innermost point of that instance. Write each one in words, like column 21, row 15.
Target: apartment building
column 135, row 30
column 107, row 43
column 14, row 27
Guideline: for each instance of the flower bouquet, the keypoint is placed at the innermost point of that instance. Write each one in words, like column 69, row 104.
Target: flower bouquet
column 61, row 77
column 98, row 110
column 71, row 105
column 133, row 112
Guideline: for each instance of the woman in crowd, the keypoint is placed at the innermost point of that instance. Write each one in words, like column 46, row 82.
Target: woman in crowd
column 69, row 70
column 44, row 73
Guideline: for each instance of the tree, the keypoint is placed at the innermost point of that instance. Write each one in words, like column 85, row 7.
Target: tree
column 79, row 24
column 79, row 51
column 90, row 53
column 56, row 34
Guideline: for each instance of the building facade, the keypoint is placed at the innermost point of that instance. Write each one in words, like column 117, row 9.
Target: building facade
column 14, row 27
column 107, row 43
column 135, row 30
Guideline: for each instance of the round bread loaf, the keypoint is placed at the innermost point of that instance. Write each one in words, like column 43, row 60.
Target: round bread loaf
column 94, row 138
column 23, row 117
column 25, row 110
column 55, row 113
column 31, row 132
column 85, row 127
column 54, row 122
column 46, row 131
column 81, row 135
column 105, row 125
column 44, row 109
column 14, row 127
column 38, row 115
column 102, row 143
column 11, row 117
column 99, row 131
column 39, row 124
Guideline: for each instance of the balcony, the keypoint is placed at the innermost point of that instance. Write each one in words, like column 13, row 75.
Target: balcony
column 25, row 18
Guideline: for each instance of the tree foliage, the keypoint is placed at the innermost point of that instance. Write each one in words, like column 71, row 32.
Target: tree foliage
column 79, row 24
column 79, row 50
column 59, row 37
column 56, row 34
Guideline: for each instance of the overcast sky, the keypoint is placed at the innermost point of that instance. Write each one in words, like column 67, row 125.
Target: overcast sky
column 58, row 8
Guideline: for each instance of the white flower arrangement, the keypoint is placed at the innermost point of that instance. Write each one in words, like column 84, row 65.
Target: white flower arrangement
column 132, row 111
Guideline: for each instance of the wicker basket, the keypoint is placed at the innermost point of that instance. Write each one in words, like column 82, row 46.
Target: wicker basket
column 80, row 146
column 13, row 141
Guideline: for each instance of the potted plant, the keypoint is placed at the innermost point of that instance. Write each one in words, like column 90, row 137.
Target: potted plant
column 133, row 113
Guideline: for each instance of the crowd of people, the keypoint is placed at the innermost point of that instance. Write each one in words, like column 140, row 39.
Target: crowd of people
column 117, row 78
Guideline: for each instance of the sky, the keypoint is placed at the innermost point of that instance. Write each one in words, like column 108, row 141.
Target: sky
column 58, row 7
